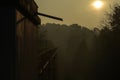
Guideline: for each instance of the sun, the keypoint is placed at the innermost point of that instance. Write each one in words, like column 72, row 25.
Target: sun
column 98, row 4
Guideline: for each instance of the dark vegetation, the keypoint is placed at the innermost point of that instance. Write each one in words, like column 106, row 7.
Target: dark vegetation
column 85, row 54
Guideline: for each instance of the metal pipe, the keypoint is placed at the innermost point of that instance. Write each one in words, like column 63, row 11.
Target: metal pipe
column 53, row 17
column 41, row 14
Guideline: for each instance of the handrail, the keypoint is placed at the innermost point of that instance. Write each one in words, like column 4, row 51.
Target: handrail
column 41, row 14
column 49, row 16
column 47, row 62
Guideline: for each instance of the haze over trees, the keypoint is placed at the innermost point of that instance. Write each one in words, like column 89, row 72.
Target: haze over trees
column 85, row 54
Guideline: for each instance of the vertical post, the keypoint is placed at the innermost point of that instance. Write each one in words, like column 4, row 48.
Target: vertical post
column 7, row 24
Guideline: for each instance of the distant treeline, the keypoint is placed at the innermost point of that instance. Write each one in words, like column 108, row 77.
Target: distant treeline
column 88, row 54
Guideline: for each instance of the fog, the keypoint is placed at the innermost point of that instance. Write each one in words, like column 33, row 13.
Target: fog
column 75, row 54
column 84, row 54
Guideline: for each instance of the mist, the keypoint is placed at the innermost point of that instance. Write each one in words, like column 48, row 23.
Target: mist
column 75, row 54
column 84, row 54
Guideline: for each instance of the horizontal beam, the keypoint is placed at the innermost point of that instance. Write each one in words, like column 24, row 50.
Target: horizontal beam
column 49, row 16
column 41, row 14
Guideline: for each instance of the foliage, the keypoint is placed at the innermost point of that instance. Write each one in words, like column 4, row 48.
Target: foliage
column 113, row 18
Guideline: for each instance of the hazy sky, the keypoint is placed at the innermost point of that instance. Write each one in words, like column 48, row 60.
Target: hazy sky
column 73, row 11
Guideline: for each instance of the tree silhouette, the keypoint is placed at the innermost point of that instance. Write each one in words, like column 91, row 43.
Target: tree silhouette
column 109, row 46
column 114, row 18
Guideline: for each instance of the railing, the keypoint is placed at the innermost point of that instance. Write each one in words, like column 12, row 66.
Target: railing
column 47, row 65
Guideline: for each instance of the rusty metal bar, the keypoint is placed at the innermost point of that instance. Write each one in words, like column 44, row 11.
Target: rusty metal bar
column 24, row 19
column 20, row 20
column 41, row 14
column 53, row 17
